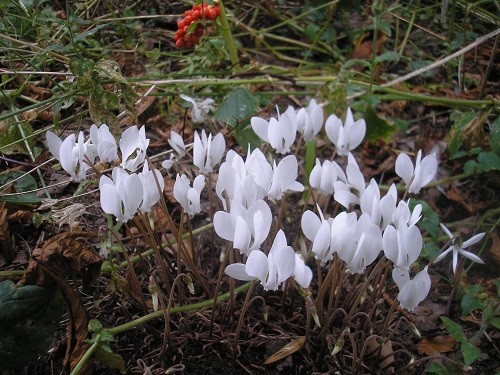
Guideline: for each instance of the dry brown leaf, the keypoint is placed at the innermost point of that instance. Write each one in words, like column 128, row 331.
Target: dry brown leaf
column 382, row 349
column 67, row 252
column 5, row 239
column 287, row 350
column 438, row 344
column 456, row 195
column 494, row 250
column 63, row 253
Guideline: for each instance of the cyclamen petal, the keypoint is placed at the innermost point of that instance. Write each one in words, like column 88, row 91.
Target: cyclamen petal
column 208, row 151
column 238, row 271
column 133, row 145
column 419, row 176
column 415, row 291
column 302, row 273
column 345, row 137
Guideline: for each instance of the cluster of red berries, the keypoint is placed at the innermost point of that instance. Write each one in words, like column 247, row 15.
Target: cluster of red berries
column 192, row 26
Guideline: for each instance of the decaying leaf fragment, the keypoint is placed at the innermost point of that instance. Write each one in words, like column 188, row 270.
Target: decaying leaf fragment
column 65, row 253
column 287, row 350
column 380, row 348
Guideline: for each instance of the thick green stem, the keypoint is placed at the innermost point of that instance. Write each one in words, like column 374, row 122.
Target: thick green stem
column 228, row 38
column 175, row 310
column 85, row 358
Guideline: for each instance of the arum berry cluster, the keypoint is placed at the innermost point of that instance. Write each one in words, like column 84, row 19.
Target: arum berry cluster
column 192, row 27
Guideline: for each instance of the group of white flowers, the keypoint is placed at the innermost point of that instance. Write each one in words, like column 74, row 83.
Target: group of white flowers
column 246, row 187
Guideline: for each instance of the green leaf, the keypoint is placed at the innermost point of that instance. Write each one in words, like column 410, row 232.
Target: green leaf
column 25, row 183
column 474, row 298
column 495, row 322
column 430, row 219
column 388, row 56
column 30, row 316
column 377, row 128
column 235, row 110
column 14, row 136
column 436, row 368
column 430, row 251
column 110, row 359
column 495, row 136
column 471, row 167
column 385, row 26
column 81, row 67
column 454, row 329
column 470, row 352
column 489, row 161
column 460, row 121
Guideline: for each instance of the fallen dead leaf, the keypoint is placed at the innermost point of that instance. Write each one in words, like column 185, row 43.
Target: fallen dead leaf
column 494, row 250
column 438, row 344
column 287, row 350
column 67, row 252
column 381, row 348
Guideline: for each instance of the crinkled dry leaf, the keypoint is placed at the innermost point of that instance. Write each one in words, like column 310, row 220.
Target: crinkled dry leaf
column 61, row 254
column 67, row 252
column 438, row 344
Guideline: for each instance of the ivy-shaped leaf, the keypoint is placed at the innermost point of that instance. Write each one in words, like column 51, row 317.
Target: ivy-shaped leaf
column 29, row 317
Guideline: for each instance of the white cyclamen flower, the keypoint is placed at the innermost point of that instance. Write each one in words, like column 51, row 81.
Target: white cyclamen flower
column 345, row 137
column 133, row 145
column 403, row 215
column 177, row 144
column 272, row 270
column 347, row 192
column 459, row 248
column 200, row 109
column 360, row 249
column 323, row 177
column 284, row 176
column 208, row 151
column 122, row 195
column 318, row 230
column 419, row 176
column 279, row 133
column 72, row 154
column 151, row 189
column 104, row 143
column 247, row 228
column 187, row 196
column 244, row 181
column 414, row 291
column 310, row 120
column 402, row 245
